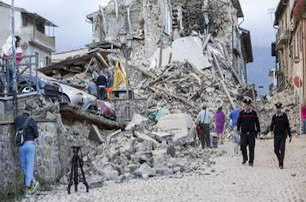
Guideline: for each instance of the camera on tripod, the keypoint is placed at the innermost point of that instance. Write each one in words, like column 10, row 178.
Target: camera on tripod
column 76, row 163
column 76, row 149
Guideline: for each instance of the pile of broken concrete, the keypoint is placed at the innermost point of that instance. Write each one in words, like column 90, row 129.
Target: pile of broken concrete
column 193, row 72
column 290, row 106
column 143, row 150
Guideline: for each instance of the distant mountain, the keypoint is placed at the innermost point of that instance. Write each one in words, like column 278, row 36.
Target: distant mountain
column 257, row 71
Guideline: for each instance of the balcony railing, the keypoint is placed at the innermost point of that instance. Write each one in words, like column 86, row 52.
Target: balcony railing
column 282, row 36
column 38, row 39
column 27, row 66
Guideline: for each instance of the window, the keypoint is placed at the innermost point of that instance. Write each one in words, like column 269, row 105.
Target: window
column 285, row 21
column 301, row 38
column 297, row 44
column 24, row 21
column 291, row 56
column 294, row 53
column 40, row 27
column 48, row 61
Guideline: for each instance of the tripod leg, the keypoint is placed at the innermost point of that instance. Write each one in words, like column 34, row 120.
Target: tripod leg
column 71, row 175
column 76, row 174
column 84, row 179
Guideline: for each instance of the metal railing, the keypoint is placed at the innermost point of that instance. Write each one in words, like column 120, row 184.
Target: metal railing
column 28, row 67
column 282, row 35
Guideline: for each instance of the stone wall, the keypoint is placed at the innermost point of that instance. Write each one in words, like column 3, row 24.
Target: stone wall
column 53, row 153
column 115, row 16
column 193, row 18
column 52, row 157
column 219, row 15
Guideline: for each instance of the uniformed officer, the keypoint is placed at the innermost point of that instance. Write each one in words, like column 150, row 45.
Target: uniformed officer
column 247, row 121
column 280, row 128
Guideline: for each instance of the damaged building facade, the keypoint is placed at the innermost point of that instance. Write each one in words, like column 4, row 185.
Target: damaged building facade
column 36, row 32
column 160, row 22
column 289, row 45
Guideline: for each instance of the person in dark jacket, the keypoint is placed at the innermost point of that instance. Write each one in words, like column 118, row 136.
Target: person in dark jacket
column 248, row 127
column 27, row 150
column 280, row 128
column 102, row 85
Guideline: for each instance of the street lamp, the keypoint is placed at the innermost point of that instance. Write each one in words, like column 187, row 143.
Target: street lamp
column 126, row 41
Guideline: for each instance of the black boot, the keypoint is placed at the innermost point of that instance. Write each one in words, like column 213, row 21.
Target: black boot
column 281, row 165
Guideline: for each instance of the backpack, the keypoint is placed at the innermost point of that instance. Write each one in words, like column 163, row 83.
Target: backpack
column 20, row 133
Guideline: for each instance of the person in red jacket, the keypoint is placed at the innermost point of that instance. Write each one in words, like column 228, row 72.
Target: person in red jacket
column 303, row 112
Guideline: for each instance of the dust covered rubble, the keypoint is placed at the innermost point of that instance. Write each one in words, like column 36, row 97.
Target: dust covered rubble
column 141, row 151
column 183, row 87
column 290, row 106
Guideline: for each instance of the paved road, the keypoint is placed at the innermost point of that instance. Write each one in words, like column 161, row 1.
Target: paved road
column 226, row 180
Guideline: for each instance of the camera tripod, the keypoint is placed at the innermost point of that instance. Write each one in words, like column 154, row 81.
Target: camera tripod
column 75, row 163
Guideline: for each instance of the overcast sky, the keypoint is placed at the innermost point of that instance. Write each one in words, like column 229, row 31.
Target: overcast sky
column 69, row 15
column 74, row 32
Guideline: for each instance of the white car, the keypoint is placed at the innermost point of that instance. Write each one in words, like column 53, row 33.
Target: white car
column 78, row 97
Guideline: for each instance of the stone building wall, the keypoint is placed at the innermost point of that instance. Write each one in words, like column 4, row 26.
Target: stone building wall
column 108, row 21
column 52, row 155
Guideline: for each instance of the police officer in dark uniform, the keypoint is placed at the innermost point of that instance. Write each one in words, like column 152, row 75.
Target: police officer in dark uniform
column 247, row 121
column 280, row 128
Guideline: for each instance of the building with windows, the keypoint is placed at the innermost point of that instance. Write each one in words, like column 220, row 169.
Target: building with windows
column 298, row 44
column 36, row 32
column 289, row 46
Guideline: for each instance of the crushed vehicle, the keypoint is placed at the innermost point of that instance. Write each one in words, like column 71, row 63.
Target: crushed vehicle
column 106, row 110
column 79, row 98
column 44, row 86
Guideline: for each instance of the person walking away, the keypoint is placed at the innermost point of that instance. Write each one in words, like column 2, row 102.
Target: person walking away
column 204, row 119
column 102, row 85
column 234, row 117
column 219, row 123
column 246, row 124
column 27, row 150
column 303, row 112
column 92, row 88
column 280, row 127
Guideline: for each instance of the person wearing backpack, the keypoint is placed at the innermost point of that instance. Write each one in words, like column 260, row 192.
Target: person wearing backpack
column 27, row 149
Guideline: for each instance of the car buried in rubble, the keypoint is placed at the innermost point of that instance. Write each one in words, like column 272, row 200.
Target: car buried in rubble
column 58, row 91
column 27, row 83
column 87, row 102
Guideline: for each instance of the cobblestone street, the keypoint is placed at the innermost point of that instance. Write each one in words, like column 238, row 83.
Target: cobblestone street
column 227, row 180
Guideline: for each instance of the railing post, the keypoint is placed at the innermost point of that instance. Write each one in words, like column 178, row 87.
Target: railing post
column 36, row 69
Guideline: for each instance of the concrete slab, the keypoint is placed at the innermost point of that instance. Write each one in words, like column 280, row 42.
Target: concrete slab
column 181, row 125
column 185, row 48
column 95, row 135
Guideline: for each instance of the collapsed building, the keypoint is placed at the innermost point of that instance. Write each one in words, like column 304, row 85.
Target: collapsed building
column 187, row 54
column 158, row 23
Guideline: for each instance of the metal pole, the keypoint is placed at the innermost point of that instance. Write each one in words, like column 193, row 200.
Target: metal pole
column 300, row 99
column 126, row 53
column 14, row 61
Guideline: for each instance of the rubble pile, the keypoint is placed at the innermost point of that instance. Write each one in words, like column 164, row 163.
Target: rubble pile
column 78, row 70
column 138, row 152
column 290, row 106
column 183, row 87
